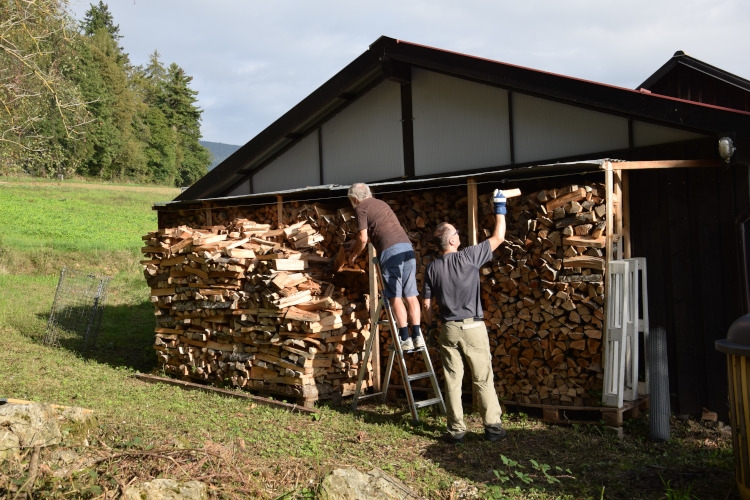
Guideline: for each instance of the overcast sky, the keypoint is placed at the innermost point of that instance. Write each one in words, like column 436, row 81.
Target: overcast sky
column 251, row 61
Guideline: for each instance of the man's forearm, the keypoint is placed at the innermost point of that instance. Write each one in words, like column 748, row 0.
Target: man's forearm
column 498, row 233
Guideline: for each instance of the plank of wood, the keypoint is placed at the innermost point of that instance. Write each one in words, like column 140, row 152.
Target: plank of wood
column 230, row 393
column 288, row 265
column 584, row 261
column 585, row 241
column 576, row 195
column 241, row 253
column 295, row 313
column 207, row 240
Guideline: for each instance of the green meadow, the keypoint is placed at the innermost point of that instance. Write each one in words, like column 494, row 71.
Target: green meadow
column 244, row 449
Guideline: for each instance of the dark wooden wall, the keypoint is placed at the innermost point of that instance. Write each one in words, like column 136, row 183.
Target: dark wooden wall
column 687, row 83
column 684, row 221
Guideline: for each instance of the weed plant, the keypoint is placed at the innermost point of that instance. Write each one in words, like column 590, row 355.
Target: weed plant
column 244, row 449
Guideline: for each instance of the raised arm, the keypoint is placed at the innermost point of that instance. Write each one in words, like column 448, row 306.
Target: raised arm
column 498, row 207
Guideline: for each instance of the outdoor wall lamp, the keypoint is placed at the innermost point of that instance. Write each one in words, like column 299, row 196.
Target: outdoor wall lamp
column 726, row 148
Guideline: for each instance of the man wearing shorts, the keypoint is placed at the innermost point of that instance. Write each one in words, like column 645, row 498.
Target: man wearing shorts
column 398, row 265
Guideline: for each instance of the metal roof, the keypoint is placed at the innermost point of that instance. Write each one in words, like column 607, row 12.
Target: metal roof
column 680, row 58
column 337, row 190
column 388, row 58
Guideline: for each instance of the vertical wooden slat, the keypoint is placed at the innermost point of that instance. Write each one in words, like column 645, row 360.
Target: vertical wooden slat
column 625, row 214
column 685, row 337
column 617, row 211
column 473, row 221
column 607, row 253
column 209, row 221
column 373, row 282
column 279, row 211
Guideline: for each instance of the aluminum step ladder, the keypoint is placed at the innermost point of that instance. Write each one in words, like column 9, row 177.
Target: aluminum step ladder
column 383, row 306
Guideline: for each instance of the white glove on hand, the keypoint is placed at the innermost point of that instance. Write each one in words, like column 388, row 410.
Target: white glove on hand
column 498, row 202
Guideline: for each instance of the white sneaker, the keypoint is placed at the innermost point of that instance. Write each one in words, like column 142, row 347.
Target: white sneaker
column 419, row 342
column 407, row 345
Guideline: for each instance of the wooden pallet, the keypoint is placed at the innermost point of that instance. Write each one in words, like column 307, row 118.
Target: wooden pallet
column 605, row 415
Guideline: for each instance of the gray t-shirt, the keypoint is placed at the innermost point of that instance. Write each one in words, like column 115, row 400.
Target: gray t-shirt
column 453, row 281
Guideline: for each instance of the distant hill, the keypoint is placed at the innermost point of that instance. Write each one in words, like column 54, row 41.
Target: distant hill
column 219, row 151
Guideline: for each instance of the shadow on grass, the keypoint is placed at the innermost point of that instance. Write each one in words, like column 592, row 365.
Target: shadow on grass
column 591, row 461
column 569, row 461
column 124, row 338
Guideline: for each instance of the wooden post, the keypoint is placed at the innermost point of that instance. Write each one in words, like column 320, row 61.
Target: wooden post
column 280, row 211
column 473, row 225
column 473, row 218
column 617, row 211
column 625, row 211
column 209, row 221
column 608, row 183
column 373, row 279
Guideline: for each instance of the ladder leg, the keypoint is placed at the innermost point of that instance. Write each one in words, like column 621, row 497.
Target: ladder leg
column 433, row 378
column 388, row 372
column 397, row 352
column 363, row 364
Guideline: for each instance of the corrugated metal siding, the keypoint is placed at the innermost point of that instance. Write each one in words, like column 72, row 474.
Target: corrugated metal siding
column 648, row 134
column 296, row 168
column 364, row 142
column 545, row 129
column 458, row 124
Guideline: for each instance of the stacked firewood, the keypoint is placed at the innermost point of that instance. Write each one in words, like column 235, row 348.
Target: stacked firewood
column 248, row 305
column 266, row 296
column 544, row 297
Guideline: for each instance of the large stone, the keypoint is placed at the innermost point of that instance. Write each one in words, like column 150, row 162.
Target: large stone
column 351, row 484
column 25, row 424
column 166, row 489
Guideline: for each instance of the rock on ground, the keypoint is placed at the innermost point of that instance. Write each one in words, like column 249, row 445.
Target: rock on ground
column 166, row 489
column 351, row 484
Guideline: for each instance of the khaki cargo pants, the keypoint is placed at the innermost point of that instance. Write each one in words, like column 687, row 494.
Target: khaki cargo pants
column 468, row 337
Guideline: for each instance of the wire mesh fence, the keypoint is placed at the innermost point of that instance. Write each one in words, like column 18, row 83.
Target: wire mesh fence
column 76, row 311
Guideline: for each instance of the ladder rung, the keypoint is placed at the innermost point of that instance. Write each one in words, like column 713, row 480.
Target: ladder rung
column 427, row 402
column 419, row 376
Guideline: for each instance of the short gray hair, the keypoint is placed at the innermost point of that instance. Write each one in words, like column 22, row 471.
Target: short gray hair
column 359, row 191
column 442, row 234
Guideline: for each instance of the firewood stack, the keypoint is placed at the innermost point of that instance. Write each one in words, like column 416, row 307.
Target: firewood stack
column 544, row 297
column 248, row 305
column 257, row 306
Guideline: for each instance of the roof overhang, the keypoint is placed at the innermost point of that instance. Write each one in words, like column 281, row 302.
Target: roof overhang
column 499, row 177
column 388, row 58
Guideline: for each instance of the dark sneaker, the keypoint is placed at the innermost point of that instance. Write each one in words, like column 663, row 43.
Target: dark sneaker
column 494, row 436
column 450, row 439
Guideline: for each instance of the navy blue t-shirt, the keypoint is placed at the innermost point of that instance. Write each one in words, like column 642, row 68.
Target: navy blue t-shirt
column 453, row 281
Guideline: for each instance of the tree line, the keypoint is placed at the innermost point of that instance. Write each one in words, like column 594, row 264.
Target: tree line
column 71, row 102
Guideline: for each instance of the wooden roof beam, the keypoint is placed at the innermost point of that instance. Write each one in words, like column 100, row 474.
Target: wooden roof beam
column 643, row 165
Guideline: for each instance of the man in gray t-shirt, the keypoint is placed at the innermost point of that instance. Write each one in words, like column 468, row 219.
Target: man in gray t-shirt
column 452, row 279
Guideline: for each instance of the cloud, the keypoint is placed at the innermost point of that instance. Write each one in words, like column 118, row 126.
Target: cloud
column 252, row 61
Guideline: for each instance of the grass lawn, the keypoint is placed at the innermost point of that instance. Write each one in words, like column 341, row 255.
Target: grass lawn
column 243, row 449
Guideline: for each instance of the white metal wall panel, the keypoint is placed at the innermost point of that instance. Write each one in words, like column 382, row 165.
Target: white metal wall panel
column 544, row 129
column 298, row 167
column 364, row 142
column 458, row 124
column 649, row 134
column 242, row 189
